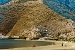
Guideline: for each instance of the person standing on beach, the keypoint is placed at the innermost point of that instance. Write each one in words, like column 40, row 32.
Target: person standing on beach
column 62, row 44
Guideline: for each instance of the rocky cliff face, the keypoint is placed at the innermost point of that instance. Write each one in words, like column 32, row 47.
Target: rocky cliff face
column 27, row 18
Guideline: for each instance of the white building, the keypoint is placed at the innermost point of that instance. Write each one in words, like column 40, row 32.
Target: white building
column 16, row 36
column 3, row 37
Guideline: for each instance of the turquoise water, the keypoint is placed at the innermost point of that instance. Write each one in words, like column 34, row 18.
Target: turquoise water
column 65, row 8
column 2, row 2
column 6, row 44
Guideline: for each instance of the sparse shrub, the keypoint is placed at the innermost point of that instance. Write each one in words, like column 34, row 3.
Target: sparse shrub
column 47, row 39
column 36, row 38
column 22, row 37
column 72, row 39
column 54, row 39
column 11, row 37
column 61, row 38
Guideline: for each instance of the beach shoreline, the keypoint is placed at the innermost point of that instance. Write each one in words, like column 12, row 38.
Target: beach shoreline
column 57, row 46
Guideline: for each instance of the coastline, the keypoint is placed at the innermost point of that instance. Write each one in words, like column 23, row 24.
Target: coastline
column 57, row 46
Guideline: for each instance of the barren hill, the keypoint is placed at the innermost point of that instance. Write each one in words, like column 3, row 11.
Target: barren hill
column 38, row 15
column 24, row 17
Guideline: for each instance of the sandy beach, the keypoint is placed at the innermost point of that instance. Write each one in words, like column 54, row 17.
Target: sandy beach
column 57, row 46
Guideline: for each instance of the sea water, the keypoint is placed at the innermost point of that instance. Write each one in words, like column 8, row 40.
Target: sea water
column 65, row 8
column 2, row 2
column 5, row 44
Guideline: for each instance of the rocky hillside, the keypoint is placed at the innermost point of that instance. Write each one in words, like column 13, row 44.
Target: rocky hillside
column 27, row 17
column 9, row 15
column 38, row 16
